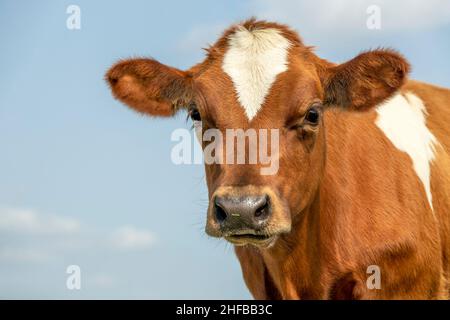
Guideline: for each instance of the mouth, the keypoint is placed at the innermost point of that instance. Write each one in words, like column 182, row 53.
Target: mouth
column 261, row 240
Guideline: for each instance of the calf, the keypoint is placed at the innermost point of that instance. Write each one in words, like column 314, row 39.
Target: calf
column 363, row 177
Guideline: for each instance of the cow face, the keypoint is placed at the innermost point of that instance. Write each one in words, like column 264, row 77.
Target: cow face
column 261, row 84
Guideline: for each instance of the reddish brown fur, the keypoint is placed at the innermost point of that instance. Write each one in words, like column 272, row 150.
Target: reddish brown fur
column 353, row 199
column 149, row 86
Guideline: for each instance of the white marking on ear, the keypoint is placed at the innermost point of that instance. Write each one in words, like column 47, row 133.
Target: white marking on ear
column 253, row 61
column 402, row 119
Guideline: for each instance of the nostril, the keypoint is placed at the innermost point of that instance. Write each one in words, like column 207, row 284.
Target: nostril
column 220, row 213
column 263, row 211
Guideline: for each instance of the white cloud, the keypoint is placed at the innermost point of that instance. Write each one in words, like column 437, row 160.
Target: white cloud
column 350, row 16
column 28, row 237
column 22, row 255
column 31, row 222
column 129, row 237
column 330, row 23
column 201, row 36
column 103, row 280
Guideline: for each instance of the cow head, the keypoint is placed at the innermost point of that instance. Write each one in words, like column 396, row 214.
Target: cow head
column 260, row 76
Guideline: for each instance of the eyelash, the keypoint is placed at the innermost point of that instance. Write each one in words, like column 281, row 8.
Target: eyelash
column 193, row 113
column 304, row 121
column 313, row 112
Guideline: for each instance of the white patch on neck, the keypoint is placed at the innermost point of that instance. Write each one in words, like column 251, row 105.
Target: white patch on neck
column 253, row 61
column 402, row 119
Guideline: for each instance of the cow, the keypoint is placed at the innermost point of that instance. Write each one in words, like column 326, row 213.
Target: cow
column 359, row 206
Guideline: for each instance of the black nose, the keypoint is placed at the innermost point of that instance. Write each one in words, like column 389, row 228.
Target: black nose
column 240, row 212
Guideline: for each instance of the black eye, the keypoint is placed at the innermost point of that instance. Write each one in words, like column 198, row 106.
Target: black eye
column 194, row 114
column 312, row 116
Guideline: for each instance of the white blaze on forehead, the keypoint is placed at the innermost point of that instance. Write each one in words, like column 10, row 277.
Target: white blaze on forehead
column 402, row 119
column 253, row 60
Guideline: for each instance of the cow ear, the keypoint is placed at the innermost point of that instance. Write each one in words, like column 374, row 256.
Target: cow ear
column 366, row 80
column 150, row 87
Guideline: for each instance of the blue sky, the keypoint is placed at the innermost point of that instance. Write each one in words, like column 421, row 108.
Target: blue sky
column 88, row 182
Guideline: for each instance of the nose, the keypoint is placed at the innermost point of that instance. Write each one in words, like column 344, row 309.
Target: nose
column 242, row 212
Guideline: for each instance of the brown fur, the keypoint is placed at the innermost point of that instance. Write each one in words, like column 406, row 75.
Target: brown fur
column 149, row 86
column 352, row 199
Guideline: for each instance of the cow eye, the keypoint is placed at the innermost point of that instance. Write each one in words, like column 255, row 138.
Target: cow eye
column 312, row 116
column 194, row 114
